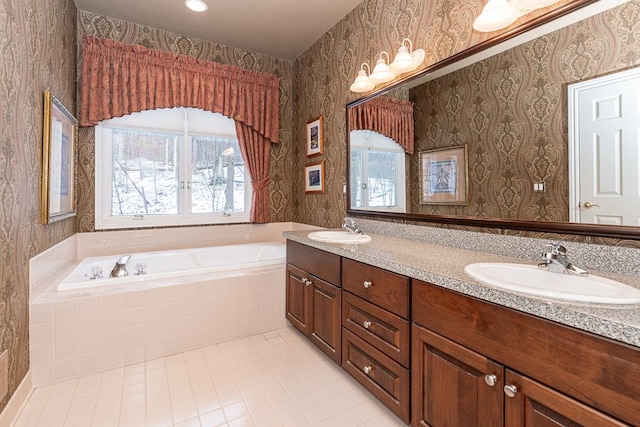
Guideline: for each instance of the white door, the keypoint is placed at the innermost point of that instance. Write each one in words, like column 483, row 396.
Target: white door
column 604, row 149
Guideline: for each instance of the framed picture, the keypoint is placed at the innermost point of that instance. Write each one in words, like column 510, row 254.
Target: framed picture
column 443, row 176
column 315, row 145
column 314, row 178
column 58, row 161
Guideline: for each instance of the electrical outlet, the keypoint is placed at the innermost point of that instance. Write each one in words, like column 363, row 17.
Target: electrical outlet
column 4, row 374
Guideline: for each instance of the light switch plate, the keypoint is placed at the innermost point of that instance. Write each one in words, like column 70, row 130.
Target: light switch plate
column 4, row 374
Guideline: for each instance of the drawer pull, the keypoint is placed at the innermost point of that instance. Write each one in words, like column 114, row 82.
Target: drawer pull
column 510, row 390
column 367, row 324
column 367, row 284
column 491, row 380
column 306, row 281
column 367, row 369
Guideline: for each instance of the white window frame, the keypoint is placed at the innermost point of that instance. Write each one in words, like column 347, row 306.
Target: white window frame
column 104, row 220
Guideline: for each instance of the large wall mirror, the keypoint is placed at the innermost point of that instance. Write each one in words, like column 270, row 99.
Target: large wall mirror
column 536, row 131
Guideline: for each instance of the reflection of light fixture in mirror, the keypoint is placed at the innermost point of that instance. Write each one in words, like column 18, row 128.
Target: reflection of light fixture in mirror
column 227, row 152
column 381, row 72
column 407, row 59
column 498, row 14
column 362, row 83
column 196, row 5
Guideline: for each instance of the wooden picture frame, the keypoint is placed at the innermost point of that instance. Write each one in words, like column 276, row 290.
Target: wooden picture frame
column 314, row 177
column 315, row 143
column 443, row 176
column 58, row 161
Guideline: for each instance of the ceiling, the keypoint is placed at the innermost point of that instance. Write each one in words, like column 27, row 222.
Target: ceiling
column 279, row 28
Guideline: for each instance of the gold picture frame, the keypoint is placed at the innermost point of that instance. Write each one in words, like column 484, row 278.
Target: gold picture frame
column 58, row 161
column 443, row 176
column 314, row 177
column 315, row 143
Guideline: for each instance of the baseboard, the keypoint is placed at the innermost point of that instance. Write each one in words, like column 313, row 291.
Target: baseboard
column 10, row 413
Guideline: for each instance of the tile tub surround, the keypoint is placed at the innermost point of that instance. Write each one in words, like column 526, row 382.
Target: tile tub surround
column 444, row 266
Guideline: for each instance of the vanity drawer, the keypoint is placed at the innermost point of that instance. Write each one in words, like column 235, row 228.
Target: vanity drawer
column 385, row 331
column 321, row 264
column 384, row 288
column 386, row 379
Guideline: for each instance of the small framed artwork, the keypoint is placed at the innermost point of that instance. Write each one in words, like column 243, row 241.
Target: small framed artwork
column 58, row 161
column 314, row 177
column 315, row 145
column 443, row 176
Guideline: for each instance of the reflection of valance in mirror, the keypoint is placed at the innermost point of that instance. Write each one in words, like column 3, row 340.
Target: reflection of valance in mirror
column 390, row 117
column 118, row 79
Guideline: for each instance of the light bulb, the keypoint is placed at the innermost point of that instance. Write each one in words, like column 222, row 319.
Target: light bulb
column 405, row 60
column 196, row 5
column 381, row 72
column 496, row 14
column 362, row 82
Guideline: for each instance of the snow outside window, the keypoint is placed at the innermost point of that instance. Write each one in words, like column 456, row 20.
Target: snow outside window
column 377, row 172
column 172, row 166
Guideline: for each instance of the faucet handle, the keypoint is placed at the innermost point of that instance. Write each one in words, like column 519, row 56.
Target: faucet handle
column 557, row 248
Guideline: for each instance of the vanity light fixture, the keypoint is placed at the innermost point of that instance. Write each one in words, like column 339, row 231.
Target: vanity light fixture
column 407, row 59
column 362, row 83
column 381, row 72
column 196, row 5
column 498, row 14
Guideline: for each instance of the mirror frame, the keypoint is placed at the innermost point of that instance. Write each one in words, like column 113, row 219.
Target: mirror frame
column 598, row 230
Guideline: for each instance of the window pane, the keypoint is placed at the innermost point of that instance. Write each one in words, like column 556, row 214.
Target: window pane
column 145, row 172
column 382, row 178
column 356, row 174
column 218, row 175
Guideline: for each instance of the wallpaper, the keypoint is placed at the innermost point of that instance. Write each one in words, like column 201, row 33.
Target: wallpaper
column 325, row 72
column 37, row 52
column 127, row 32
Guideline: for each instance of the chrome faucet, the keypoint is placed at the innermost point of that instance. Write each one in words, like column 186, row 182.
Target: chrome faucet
column 349, row 224
column 555, row 260
column 120, row 269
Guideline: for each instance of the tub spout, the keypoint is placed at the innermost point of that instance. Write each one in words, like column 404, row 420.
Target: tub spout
column 120, row 269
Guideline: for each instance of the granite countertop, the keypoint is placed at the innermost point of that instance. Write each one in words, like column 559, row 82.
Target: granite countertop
column 444, row 266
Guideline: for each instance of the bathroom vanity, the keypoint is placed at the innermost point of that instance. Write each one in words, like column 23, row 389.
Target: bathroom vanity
column 439, row 348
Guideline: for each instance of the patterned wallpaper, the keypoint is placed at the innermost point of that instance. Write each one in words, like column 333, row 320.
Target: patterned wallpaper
column 511, row 111
column 127, row 32
column 325, row 72
column 37, row 52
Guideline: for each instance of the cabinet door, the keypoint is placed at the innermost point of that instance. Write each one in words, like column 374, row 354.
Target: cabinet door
column 534, row 405
column 298, row 298
column 452, row 385
column 325, row 325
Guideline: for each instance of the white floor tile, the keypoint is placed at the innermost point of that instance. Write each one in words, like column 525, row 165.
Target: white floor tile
column 274, row 379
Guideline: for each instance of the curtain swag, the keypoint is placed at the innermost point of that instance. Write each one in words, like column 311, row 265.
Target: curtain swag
column 388, row 116
column 119, row 79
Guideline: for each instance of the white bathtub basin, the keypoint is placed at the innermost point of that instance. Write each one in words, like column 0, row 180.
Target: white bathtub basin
column 532, row 280
column 336, row 236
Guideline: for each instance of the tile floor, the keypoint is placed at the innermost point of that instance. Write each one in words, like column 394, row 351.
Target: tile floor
column 273, row 379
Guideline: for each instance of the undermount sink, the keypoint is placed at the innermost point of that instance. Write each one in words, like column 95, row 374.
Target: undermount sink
column 333, row 236
column 531, row 279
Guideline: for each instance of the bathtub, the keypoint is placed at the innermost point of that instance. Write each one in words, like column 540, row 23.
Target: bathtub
column 159, row 266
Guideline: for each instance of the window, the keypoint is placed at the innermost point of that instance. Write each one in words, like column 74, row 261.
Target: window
column 170, row 167
column 377, row 172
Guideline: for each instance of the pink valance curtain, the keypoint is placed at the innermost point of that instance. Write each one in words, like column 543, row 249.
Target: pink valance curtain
column 388, row 116
column 119, row 79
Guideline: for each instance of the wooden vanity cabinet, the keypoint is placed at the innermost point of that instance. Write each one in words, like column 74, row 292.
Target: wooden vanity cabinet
column 313, row 296
column 478, row 363
column 375, row 336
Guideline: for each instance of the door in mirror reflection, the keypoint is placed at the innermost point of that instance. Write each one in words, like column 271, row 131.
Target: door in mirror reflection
column 377, row 172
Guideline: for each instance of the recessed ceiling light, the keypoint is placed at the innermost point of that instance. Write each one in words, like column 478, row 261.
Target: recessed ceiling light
column 196, row 5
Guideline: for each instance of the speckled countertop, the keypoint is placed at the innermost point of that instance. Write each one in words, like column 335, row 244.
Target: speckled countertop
column 444, row 266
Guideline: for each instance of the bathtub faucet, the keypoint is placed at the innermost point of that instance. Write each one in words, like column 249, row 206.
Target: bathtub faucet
column 120, row 269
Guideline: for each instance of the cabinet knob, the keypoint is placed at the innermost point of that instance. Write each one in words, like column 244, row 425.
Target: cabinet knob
column 491, row 380
column 510, row 390
column 309, row 282
column 366, row 324
column 367, row 284
column 367, row 369
column 306, row 281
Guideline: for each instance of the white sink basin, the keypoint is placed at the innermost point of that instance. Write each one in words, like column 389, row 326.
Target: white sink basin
column 333, row 236
column 532, row 280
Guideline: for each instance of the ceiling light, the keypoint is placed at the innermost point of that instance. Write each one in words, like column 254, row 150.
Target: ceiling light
column 362, row 83
column 196, row 5
column 498, row 14
column 381, row 72
column 407, row 59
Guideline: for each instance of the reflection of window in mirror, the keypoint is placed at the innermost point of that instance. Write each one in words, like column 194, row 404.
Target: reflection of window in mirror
column 377, row 172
